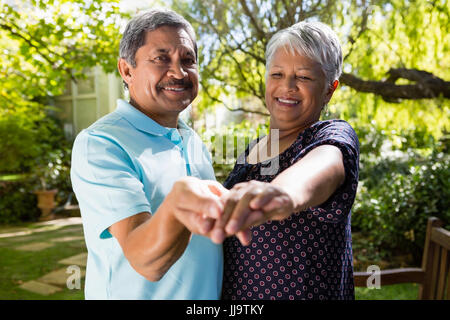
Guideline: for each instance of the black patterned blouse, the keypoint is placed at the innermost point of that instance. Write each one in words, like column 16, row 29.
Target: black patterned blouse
column 309, row 254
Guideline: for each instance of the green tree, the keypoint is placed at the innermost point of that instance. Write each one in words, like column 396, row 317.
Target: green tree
column 43, row 44
column 395, row 54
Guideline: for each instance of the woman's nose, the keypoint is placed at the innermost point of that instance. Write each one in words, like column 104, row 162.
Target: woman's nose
column 290, row 84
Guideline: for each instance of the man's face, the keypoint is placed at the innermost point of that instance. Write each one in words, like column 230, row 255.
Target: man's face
column 165, row 79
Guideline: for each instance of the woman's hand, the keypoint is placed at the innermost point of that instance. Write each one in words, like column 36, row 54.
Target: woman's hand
column 196, row 203
column 249, row 204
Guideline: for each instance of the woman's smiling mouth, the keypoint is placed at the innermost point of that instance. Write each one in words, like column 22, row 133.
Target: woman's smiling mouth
column 288, row 102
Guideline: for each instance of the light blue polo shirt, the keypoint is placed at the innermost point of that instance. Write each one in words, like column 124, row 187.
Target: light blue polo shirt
column 124, row 164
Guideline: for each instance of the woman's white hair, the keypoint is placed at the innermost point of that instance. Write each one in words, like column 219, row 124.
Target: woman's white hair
column 315, row 40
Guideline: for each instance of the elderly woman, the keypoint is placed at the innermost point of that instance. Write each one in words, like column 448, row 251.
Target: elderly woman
column 299, row 213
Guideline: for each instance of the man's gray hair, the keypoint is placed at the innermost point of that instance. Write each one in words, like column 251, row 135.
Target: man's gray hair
column 134, row 36
column 315, row 40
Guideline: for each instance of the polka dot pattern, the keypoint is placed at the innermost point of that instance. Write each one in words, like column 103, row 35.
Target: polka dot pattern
column 309, row 254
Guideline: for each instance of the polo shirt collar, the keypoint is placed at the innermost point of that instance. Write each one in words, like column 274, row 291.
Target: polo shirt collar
column 144, row 123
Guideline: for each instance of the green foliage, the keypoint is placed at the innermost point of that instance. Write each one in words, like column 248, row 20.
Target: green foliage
column 375, row 35
column 18, row 144
column 17, row 202
column 43, row 44
column 46, row 43
column 227, row 143
column 400, row 189
column 36, row 147
column 398, row 34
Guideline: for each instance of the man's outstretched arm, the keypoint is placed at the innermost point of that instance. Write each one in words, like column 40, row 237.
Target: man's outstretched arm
column 153, row 243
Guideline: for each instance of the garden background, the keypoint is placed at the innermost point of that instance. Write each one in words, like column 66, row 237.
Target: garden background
column 394, row 91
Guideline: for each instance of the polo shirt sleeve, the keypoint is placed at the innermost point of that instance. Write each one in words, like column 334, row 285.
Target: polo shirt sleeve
column 106, row 183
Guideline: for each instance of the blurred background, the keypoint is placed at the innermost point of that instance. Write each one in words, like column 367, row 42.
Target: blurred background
column 58, row 75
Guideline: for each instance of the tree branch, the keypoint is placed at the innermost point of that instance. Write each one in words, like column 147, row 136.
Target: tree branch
column 254, row 21
column 362, row 29
column 427, row 85
column 38, row 48
column 205, row 89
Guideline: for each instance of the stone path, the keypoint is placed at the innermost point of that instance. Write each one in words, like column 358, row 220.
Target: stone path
column 56, row 280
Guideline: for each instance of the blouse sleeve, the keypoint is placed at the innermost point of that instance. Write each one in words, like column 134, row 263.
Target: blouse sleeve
column 340, row 134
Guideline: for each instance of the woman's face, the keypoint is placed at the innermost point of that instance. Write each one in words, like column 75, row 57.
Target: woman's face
column 295, row 90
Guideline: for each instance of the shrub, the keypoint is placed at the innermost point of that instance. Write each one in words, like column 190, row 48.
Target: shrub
column 227, row 143
column 34, row 146
column 399, row 190
column 17, row 202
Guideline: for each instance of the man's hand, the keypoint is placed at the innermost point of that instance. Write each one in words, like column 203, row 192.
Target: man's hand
column 196, row 203
column 153, row 243
column 249, row 204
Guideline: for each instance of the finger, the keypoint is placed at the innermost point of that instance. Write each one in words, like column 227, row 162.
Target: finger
column 254, row 218
column 194, row 222
column 279, row 208
column 204, row 202
column 245, row 237
column 276, row 203
column 240, row 213
column 263, row 198
column 239, row 185
column 194, row 195
column 218, row 234
column 206, row 225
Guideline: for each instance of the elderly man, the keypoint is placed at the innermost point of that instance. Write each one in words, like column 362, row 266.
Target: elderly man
column 141, row 218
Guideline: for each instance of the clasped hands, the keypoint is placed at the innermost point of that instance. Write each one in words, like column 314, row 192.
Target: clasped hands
column 205, row 207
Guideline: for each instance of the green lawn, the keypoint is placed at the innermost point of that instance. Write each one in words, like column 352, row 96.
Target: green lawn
column 18, row 267
column 405, row 291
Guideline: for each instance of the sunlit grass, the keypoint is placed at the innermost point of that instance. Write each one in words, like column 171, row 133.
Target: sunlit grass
column 404, row 291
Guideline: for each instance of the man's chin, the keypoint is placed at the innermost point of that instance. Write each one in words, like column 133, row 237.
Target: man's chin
column 179, row 104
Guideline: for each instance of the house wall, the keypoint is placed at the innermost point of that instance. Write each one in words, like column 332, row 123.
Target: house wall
column 87, row 100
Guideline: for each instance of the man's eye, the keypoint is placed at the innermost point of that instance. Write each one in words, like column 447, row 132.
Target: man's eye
column 161, row 59
column 304, row 78
column 189, row 61
column 276, row 75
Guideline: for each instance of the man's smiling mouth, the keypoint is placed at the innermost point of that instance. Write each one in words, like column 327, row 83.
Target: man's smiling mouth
column 175, row 89
column 288, row 101
column 176, row 86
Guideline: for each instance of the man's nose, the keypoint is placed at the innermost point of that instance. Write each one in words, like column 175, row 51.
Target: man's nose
column 176, row 70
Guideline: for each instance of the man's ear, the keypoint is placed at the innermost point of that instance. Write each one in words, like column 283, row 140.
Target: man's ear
column 330, row 91
column 125, row 70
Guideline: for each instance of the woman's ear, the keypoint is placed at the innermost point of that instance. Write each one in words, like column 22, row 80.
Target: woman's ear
column 330, row 91
column 125, row 70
